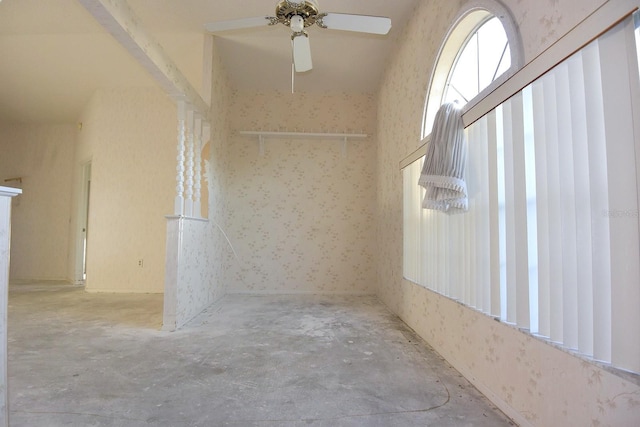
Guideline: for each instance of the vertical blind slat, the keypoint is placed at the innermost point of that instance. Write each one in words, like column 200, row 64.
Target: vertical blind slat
column 623, row 197
column 542, row 208
column 521, row 264
column 510, row 212
column 502, row 221
column 531, row 211
column 599, row 196
column 554, row 212
column 494, row 213
column 472, row 283
column 453, row 257
column 426, row 254
column 567, row 209
column 475, row 277
column 582, row 183
column 484, row 225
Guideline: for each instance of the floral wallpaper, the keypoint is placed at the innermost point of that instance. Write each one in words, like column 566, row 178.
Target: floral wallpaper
column 532, row 381
column 197, row 286
column 301, row 217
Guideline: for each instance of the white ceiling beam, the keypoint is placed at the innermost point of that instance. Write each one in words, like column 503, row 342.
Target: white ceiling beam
column 120, row 21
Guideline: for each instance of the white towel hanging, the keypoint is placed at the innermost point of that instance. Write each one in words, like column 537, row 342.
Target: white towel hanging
column 443, row 171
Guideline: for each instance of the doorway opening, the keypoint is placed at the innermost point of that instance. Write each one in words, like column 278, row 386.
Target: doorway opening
column 83, row 225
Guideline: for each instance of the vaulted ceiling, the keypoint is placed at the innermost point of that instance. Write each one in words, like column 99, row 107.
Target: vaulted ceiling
column 54, row 54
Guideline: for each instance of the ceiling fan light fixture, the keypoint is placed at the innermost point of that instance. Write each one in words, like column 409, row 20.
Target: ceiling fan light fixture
column 297, row 23
column 286, row 10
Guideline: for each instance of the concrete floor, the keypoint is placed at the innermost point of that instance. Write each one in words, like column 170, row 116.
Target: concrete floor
column 79, row 359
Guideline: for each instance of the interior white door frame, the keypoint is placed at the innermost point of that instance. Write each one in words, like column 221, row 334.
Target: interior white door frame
column 83, row 224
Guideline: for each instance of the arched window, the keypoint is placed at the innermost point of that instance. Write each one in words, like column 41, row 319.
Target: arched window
column 483, row 58
column 480, row 51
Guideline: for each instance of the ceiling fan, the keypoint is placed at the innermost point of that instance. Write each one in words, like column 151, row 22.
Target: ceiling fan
column 298, row 15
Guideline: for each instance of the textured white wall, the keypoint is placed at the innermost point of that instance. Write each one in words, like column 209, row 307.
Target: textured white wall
column 532, row 380
column 302, row 217
column 43, row 156
column 130, row 137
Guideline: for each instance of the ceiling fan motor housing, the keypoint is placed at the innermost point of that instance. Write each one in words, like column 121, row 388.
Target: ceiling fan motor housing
column 307, row 10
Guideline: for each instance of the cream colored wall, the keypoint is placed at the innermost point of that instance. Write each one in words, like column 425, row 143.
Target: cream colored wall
column 302, row 217
column 130, row 137
column 532, row 381
column 42, row 155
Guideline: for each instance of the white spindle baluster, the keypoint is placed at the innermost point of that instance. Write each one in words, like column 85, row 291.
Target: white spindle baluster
column 197, row 212
column 179, row 202
column 188, row 203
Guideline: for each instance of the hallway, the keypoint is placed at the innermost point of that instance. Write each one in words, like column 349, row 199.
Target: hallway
column 84, row 359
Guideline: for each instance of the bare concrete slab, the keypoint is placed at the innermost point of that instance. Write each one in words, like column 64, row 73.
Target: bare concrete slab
column 79, row 359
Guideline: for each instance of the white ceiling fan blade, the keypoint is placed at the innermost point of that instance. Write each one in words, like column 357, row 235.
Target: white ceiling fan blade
column 358, row 23
column 237, row 24
column 301, row 53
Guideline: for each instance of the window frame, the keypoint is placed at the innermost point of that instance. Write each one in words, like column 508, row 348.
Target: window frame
column 466, row 23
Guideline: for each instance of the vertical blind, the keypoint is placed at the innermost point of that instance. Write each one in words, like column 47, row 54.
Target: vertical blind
column 551, row 240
